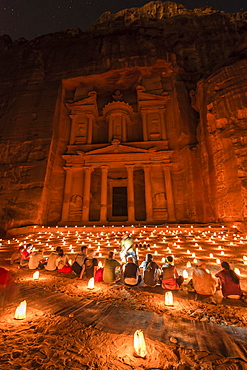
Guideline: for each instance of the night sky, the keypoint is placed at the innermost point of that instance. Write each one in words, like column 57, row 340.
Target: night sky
column 33, row 18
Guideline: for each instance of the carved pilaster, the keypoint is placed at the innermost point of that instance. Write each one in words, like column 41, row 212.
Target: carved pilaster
column 103, row 202
column 131, row 198
column 86, row 193
column 169, row 192
column 148, row 192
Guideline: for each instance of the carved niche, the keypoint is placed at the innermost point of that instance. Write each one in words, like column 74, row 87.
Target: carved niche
column 152, row 109
column 83, row 114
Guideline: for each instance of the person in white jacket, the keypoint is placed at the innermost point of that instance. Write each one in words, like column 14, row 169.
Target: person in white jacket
column 203, row 282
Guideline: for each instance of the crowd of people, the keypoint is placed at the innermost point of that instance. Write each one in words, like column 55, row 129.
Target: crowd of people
column 129, row 272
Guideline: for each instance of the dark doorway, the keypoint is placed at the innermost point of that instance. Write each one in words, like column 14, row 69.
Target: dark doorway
column 119, row 201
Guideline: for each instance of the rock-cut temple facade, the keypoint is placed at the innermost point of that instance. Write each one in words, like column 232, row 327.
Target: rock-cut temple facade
column 118, row 159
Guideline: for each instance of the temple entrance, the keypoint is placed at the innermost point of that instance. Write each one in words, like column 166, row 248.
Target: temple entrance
column 119, row 201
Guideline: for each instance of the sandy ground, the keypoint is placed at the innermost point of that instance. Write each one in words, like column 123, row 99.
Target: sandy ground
column 69, row 326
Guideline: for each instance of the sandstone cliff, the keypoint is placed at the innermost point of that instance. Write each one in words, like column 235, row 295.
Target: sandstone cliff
column 37, row 75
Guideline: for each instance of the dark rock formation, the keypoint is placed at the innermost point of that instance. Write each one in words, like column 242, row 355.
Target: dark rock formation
column 203, row 46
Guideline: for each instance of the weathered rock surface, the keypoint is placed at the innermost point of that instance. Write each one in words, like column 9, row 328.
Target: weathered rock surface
column 209, row 174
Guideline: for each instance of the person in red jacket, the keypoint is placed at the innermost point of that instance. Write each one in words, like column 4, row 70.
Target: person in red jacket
column 229, row 282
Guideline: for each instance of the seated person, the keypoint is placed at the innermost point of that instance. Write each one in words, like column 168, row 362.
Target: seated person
column 62, row 262
column 203, row 282
column 150, row 270
column 229, row 282
column 16, row 256
column 170, row 275
column 79, row 260
column 51, row 262
column 89, row 266
column 109, row 273
column 25, row 255
column 35, row 260
column 131, row 272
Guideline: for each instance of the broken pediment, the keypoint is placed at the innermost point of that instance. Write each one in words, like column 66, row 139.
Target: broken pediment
column 88, row 104
column 148, row 99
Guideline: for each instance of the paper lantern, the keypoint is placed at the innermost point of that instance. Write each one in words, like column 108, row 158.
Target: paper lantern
column 139, row 344
column 20, row 312
column 169, row 299
column 237, row 271
column 36, row 275
column 185, row 274
column 91, row 283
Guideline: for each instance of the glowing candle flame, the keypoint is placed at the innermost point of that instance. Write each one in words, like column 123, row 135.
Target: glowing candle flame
column 188, row 264
column 237, row 271
column 185, row 274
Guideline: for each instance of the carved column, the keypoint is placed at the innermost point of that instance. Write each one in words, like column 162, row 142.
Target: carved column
column 110, row 128
column 67, row 193
column 163, row 126
column 90, row 118
column 86, row 193
column 72, row 131
column 148, row 192
column 124, row 127
column 131, row 199
column 103, row 202
column 169, row 193
column 144, row 125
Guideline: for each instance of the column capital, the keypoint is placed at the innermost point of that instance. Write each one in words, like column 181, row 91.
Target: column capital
column 88, row 169
column 130, row 167
column 146, row 166
column 105, row 168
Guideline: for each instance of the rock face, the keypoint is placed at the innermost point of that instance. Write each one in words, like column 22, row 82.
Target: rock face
column 195, row 58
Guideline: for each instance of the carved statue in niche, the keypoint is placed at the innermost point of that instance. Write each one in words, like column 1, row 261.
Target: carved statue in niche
column 160, row 200
column 154, row 128
column 160, row 206
column 75, row 208
column 81, row 133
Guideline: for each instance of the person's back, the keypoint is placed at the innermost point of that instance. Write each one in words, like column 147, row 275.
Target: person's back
column 51, row 262
column 34, row 260
column 169, row 275
column 203, row 282
column 229, row 282
column 109, row 273
column 149, row 270
column 131, row 272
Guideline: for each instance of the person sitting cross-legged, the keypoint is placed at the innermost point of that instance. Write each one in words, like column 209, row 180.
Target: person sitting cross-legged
column 131, row 272
column 149, row 270
column 170, row 278
column 110, row 265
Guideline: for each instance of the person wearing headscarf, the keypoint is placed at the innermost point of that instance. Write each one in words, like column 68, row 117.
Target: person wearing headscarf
column 229, row 282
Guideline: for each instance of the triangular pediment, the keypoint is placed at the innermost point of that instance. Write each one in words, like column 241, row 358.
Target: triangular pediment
column 119, row 148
